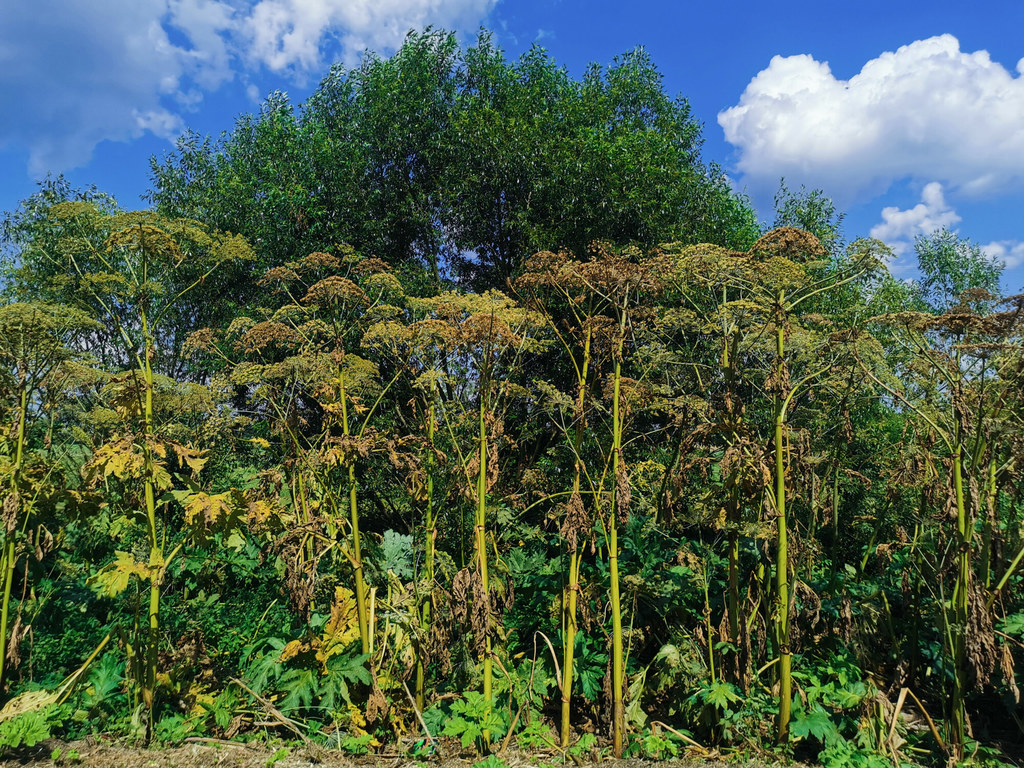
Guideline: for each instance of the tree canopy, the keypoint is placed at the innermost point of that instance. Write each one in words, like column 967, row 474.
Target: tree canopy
column 460, row 162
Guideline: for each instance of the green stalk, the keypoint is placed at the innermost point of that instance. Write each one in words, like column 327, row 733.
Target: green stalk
column 362, row 608
column 705, row 577
column 9, row 558
column 782, row 553
column 991, row 495
column 734, row 589
column 481, row 548
column 961, row 596
column 733, row 509
column 618, row 709
column 569, row 650
column 835, row 512
column 569, row 601
column 155, row 549
column 430, row 526
column 1010, row 570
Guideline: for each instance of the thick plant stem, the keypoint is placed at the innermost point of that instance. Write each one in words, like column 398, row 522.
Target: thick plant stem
column 569, row 601
column 961, row 598
column 569, row 650
column 1007, row 575
column 734, row 588
column 156, row 554
column 357, row 559
column 430, row 529
column 8, row 575
column 481, row 549
column 10, row 549
column 733, row 509
column 991, row 498
column 618, row 708
column 782, row 549
column 362, row 608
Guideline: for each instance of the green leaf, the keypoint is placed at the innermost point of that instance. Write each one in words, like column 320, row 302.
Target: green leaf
column 302, row 686
column 816, row 723
column 720, row 695
column 1014, row 625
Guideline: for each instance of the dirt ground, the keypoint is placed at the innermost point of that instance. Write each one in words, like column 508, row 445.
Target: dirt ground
column 198, row 752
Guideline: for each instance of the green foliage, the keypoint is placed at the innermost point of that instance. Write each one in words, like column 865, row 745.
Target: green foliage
column 29, row 728
column 949, row 266
column 279, row 755
column 653, row 744
column 435, row 164
column 491, row 761
column 302, row 487
column 813, row 723
column 583, row 746
column 813, row 211
column 357, row 744
column 471, row 717
column 174, row 729
column 1014, row 625
column 69, row 757
column 841, row 753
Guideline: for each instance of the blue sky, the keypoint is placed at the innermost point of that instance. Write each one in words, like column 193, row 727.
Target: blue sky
column 910, row 116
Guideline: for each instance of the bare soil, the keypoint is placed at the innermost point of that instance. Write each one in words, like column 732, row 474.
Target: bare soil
column 94, row 753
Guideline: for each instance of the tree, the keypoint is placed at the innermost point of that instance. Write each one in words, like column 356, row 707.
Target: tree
column 449, row 162
column 949, row 266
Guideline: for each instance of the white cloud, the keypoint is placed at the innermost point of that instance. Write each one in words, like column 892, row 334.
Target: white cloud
column 1010, row 253
column 899, row 227
column 74, row 73
column 290, row 35
column 926, row 111
column 78, row 72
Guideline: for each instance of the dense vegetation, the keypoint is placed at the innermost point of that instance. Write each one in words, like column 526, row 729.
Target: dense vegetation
column 466, row 400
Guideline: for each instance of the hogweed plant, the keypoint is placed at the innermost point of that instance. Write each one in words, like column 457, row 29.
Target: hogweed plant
column 130, row 271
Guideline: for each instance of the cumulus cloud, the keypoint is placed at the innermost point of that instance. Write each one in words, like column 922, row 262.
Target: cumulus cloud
column 899, row 227
column 74, row 73
column 289, row 35
column 79, row 72
column 1010, row 253
column 926, row 111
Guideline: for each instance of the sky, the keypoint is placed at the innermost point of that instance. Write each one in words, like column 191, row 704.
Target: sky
column 909, row 116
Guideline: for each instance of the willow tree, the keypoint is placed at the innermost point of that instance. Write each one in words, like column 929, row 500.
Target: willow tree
column 130, row 272
column 460, row 155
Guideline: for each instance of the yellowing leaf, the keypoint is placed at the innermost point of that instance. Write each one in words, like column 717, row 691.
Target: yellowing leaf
column 343, row 627
column 293, row 649
column 208, row 509
column 191, row 457
column 114, row 578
